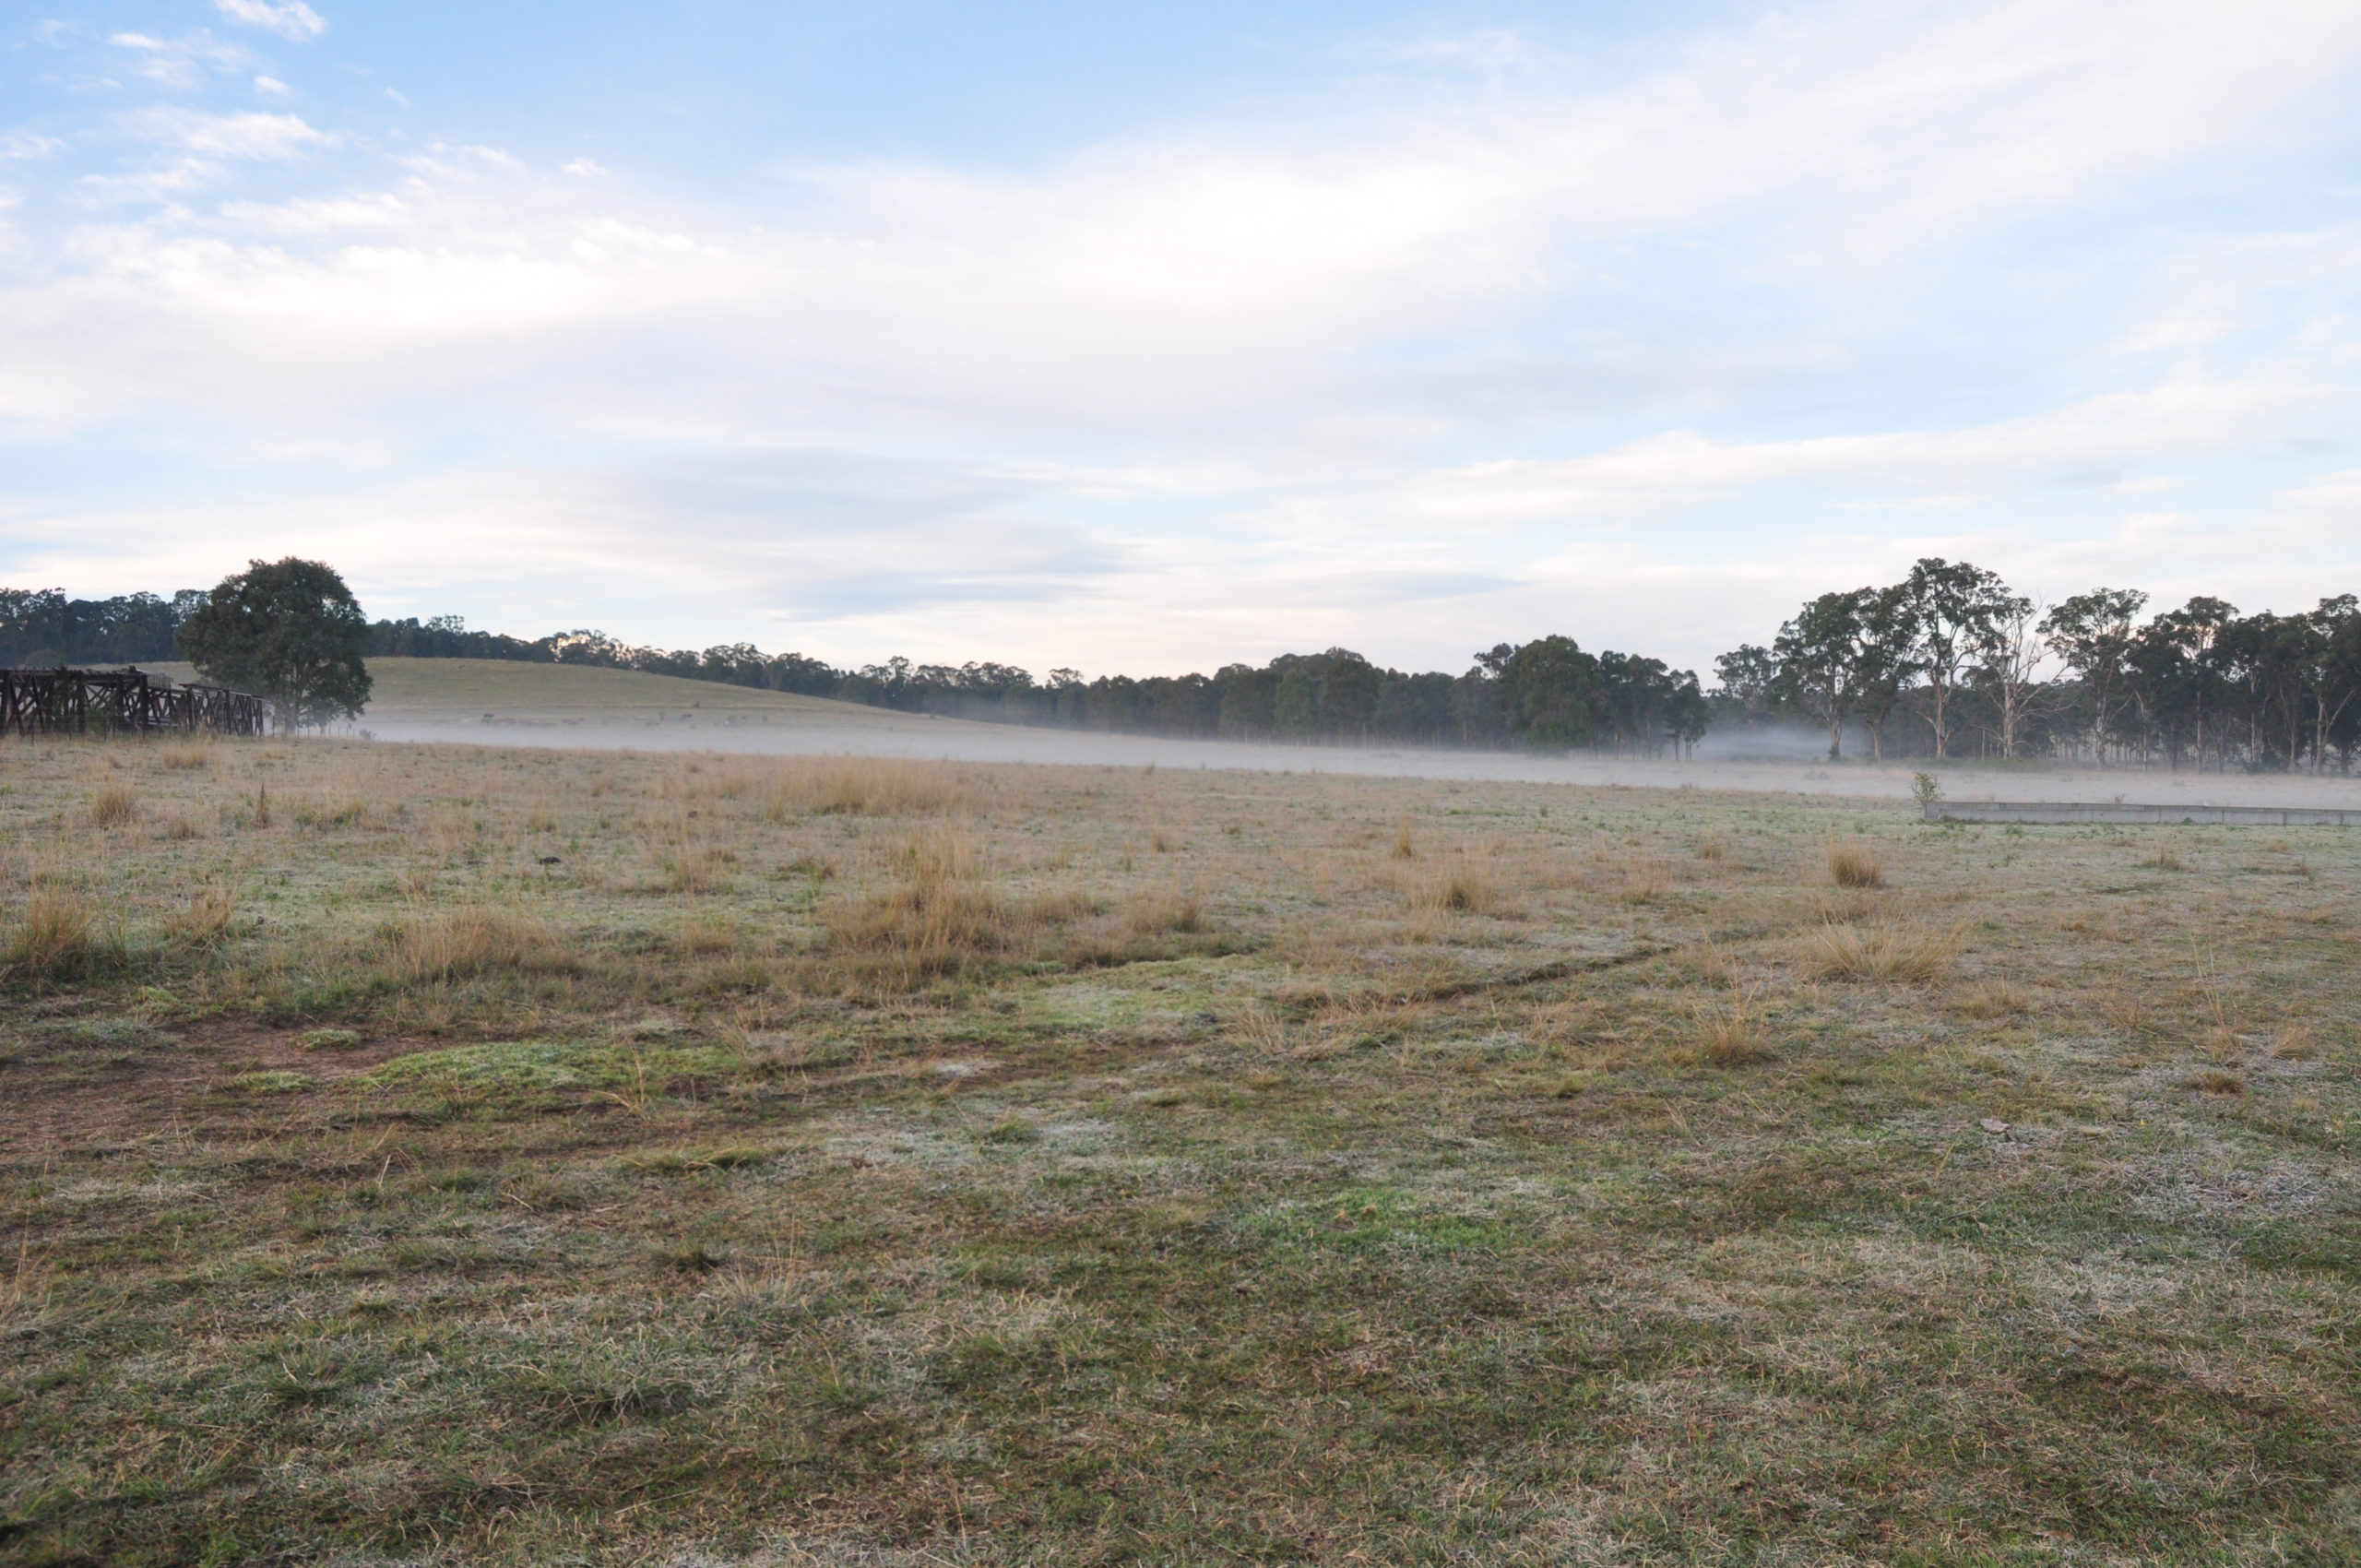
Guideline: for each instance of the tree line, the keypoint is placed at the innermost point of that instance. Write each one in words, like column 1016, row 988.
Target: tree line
column 42, row 627
column 1550, row 693
column 1948, row 662
column 1951, row 661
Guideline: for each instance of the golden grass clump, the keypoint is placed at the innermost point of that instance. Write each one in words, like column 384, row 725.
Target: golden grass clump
column 1996, row 999
column 863, row 787
column 1731, row 1031
column 2129, row 1011
column 187, row 756
column 1854, row 865
column 204, row 919
column 1642, row 879
column 694, row 868
column 179, row 823
column 934, row 920
column 1155, row 914
column 113, row 804
column 58, row 936
column 1461, row 885
column 2294, row 1042
column 1882, row 952
column 454, row 944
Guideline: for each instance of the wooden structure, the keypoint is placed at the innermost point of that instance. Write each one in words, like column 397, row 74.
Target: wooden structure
column 62, row 701
column 2116, row 811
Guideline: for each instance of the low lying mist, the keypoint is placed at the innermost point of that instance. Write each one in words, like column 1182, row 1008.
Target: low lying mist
column 1767, row 760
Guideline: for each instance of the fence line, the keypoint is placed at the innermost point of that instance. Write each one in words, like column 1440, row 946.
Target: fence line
column 60, row 701
column 2116, row 811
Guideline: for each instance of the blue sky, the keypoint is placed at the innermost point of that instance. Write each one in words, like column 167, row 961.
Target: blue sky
column 1148, row 338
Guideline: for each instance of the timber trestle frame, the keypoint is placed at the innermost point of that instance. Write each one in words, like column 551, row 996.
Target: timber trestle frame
column 62, row 701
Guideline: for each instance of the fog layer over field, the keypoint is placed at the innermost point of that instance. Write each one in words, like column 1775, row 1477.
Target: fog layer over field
column 553, row 706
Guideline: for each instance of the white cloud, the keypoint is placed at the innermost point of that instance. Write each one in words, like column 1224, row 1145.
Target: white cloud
column 1403, row 367
column 250, row 134
column 293, row 20
column 28, row 146
column 2084, row 445
column 182, row 61
column 271, row 87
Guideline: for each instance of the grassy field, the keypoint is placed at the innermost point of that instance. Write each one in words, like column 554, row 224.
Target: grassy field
column 459, row 1155
column 498, row 697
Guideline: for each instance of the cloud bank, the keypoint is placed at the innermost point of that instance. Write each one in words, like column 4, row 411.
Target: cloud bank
column 1643, row 359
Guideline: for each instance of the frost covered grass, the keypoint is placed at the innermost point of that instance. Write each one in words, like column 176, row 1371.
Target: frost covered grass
column 426, row 1155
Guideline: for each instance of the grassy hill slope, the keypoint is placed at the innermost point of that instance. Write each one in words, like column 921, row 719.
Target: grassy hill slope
column 476, row 690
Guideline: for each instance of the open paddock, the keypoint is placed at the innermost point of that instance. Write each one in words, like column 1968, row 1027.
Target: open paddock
column 482, row 1154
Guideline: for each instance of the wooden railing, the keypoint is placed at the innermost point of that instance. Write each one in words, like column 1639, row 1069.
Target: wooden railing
column 36, row 702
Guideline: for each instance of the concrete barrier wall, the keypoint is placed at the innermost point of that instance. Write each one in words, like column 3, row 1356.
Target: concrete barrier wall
column 2101, row 811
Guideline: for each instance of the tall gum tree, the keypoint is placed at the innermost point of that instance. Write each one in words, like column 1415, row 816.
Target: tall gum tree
column 1957, row 608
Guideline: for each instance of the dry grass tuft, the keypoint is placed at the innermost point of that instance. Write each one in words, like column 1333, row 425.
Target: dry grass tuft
column 1882, row 952
column 1713, row 847
column 1730, row 1030
column 177, row 825
column 692, row 868
column 1156, row 914
column 205, row 919
column 2212, row 1080
column 707, row 935
column 1404, row 847
column 934, row 921
column 1996, row 999
column 187, row 756
column 1643, row 879
column 1461, row 885
column 2294, row 1042
column 58, row 936
column 114, row 806
column 481, row 939
column 862, row 787
column 1854, row 865
column 2167, row 858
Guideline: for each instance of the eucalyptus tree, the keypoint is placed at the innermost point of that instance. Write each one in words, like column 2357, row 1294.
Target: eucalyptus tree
column 1885, row 660
column 1747, row 683
column 2332, row 668
column 1549, row 692
column 2178, row 669
column 2010, row 660
column 2092, row 633
column 1820, row 657
column 1956, row 609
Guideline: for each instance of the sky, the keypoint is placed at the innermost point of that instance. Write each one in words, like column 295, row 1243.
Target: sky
column 1151, row 339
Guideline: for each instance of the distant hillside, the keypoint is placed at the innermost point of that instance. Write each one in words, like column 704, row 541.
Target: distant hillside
column 446, row 691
